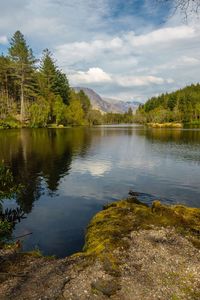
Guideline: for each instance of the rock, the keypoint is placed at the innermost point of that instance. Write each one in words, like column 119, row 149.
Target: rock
column 106, row 287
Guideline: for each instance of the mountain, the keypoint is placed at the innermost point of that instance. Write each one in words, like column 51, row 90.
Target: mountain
column 96, row 101
column 122, row 106
column 107, row 104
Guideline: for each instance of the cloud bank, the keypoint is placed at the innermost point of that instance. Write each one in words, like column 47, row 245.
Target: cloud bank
column 122, row 49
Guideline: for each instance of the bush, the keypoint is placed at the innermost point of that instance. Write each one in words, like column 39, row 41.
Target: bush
column 9, row 123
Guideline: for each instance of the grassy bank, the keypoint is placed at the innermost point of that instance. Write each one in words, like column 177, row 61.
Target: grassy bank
column 165, row 125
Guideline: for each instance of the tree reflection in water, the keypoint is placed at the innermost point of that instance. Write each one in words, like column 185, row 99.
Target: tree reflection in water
column 39, row 158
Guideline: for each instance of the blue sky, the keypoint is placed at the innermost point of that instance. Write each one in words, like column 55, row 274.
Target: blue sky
column 131, row 49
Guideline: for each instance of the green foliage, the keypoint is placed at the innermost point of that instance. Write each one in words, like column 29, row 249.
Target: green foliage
column 28, row 93
column 85, row 102
column 74, row 113
column 5, row 229
column 9, row 122
column 61, row 86
column 47, row 73
column 22, row 64
column 180, row 106
column 117, row 118
column 95, row 117
column 51, row 79
column 39, row 113
column 59, row 109
column 8, row 187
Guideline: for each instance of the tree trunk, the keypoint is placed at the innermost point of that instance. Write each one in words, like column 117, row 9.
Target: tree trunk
column 7, row 94
column 22, row 111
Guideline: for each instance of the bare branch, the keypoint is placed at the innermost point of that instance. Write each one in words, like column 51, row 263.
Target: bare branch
column 185, row 7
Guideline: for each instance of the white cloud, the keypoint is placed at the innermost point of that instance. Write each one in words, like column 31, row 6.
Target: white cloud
column 163, row 35
column 116, row 50
column 180, row 62
column 186, row 60
column 97, row 75
column 160, row 60
column 84, row 51
column 95, row 168
column 3, row 40
column 93, row 75
column 141, row 80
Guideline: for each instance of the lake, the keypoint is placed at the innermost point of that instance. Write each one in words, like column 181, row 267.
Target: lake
column 69, row 174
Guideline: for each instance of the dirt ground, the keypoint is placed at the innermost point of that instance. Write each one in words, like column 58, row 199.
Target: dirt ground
column 118, row 263
column 158, row 264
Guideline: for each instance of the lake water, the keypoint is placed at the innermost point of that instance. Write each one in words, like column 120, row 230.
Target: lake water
column 69, row 174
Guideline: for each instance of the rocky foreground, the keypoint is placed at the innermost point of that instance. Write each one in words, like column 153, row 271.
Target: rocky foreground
column 132, row 251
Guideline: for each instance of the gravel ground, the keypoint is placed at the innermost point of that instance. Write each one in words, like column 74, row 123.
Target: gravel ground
column 132, row 252
column 157, row 264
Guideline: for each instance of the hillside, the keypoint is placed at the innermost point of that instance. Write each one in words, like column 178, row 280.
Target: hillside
column 108, row 104
column 180, row 106
column 96, row 101
column 122, row 106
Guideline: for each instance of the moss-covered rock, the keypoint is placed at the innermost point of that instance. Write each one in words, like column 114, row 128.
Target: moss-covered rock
column 108, row 228
column 132, row 251
column 106, row 287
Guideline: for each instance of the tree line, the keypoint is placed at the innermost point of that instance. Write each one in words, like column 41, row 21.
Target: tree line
column 36, row 92
column 180, row 106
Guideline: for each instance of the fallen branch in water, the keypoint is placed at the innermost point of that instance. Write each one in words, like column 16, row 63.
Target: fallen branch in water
column 21, row 236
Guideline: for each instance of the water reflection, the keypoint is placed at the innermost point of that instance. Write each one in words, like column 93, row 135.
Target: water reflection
column 34, row 155
column 68, row 174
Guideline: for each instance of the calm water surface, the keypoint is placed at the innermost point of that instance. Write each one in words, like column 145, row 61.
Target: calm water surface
column 68, row 174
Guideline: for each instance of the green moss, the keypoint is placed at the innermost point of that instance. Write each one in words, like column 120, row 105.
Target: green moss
column 34, row 253
column 108, row 228
column 174, row 297
column 106, row 287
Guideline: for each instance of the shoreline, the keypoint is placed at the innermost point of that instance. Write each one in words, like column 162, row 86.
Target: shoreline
column 148, row 125
column 165, row 125
column 114, row 249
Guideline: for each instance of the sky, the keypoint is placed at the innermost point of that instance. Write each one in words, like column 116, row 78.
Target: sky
column 123, row 49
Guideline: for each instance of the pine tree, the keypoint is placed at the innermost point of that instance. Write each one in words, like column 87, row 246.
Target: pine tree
column 53, row 80
column 85, row 101
column 61, row 86
column 23, row 66
column 48, row 70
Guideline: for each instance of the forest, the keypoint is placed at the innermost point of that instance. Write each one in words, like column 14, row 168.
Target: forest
column 180, row 106
column 36, row 93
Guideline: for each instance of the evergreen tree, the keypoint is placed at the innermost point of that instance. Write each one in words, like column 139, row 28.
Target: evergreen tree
column 61, row 86
column 85, row 101
column 179, row 106
column 23, row 66
column 47, row 73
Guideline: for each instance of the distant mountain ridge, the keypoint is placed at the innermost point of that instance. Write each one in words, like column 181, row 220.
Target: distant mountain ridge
column 107, row 104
